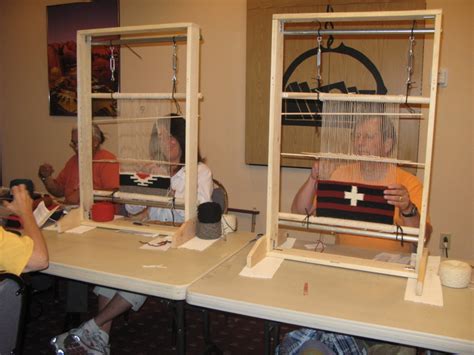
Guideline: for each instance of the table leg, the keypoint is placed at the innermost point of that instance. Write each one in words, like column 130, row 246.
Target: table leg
column 271, row 336
column 180, row 328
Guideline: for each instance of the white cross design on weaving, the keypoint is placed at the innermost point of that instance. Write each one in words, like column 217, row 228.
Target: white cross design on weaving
column 353, row 196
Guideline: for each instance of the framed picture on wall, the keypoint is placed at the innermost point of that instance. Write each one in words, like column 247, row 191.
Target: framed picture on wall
column 63, row 23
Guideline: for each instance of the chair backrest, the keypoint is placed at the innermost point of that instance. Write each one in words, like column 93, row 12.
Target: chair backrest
column 219, row 195
column 12, row 296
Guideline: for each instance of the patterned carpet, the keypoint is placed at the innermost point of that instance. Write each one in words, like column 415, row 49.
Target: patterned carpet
column 148, row 331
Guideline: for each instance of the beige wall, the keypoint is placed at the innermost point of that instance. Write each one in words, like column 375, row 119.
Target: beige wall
column 30, row 136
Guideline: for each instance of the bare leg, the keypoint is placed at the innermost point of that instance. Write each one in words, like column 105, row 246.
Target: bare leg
column 110, row 309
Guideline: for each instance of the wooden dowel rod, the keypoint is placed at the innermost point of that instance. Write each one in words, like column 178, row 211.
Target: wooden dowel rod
column 373, row 159
column 137, row 197
column 148, row 203
column 158, row 162
column 144, row 96
column 137, row 30
column 159, row 39
column 359, row 16
column 361, row 31
column 395, row 99
column 333, row 229
column 404, row 114
column 365, row 226
column 98, row 120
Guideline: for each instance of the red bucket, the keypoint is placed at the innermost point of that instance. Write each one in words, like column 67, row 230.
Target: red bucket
column 102, row 211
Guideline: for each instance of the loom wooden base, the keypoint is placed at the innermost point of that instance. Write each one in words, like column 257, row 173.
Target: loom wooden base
column 180, row 235
column 261, row 250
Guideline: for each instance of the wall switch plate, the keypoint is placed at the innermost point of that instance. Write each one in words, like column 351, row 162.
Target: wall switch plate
column 443, row 78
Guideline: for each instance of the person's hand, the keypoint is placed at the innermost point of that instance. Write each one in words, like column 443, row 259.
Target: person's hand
column 22, row 203
column 315, row 170
column 397, row 195
column 45, row 171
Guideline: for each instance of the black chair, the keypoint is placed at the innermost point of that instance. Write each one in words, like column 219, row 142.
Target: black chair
column 12, row 313
column 219, row 195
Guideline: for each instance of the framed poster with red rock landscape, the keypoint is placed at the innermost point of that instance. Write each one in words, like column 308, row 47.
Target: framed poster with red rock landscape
column 63, row 23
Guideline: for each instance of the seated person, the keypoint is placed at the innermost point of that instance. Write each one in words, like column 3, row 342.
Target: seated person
column 27, row 253
column 105, row 177
column 66, row 184
column 371, row 138
column 94, row 334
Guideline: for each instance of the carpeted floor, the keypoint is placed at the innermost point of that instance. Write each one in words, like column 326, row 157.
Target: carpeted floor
column 148, row 331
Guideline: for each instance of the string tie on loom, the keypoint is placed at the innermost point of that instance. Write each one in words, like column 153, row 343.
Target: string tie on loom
column 399, row 233
column 306, row 219
column 209, row 225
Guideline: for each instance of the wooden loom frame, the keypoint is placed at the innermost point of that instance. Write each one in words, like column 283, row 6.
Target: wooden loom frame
column 267, row 245
column 160, row 34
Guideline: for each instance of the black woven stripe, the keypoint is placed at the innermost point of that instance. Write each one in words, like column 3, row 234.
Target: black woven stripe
column 338, row 187
column 367, row 217
column 160, row 183
column 344, row 201
column 369, row 191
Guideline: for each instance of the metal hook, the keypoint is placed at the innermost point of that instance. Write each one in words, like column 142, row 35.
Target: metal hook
column 112, row 62
column 174, row 78
column 410, row 61
column 329, row 25
column 318, row 57
column 413, row 29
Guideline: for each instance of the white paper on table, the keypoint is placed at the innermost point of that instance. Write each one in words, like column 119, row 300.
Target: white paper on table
column 432, row 290
column 265, row 269
column 198, row 244
column 80, row 229
column 51, row 227
column 394, row 258
column 154, row 244
column 288, row 244
column 42, row 214
column 154, row 266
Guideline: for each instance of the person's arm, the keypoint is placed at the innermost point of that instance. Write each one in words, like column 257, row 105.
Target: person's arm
column 303, row 202
column 408, row 206
column 22, row 206
column 45, row 173
column 109, row 175
column 205, row 184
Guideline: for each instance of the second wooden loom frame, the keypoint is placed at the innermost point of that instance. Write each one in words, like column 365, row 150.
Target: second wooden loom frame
column 267, row 245
column 163, row 33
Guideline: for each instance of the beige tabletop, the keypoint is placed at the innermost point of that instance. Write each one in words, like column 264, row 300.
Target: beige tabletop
column 346, row 301
column 114, row 259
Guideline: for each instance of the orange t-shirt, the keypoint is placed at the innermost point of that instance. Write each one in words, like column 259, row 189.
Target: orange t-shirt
column 105, row 175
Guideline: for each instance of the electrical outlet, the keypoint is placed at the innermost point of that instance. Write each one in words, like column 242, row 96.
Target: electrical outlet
column 445, row 238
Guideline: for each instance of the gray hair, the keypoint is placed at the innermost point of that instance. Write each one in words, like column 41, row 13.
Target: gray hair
column 96, row 133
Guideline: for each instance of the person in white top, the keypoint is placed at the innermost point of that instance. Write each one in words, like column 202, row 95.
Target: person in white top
column 93, row 335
